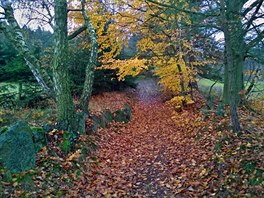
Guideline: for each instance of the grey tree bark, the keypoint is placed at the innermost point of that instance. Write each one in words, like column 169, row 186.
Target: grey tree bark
column 89, row 72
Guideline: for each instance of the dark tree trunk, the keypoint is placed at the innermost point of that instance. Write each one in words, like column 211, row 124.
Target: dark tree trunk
column 234, row 58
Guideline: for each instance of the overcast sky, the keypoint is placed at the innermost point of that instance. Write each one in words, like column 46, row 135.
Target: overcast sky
column 34, row 24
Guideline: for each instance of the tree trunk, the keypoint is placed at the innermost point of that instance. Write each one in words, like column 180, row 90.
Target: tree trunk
column 226, row 83
column 234, row 58
column 89, row 72
column 20, row 89
column 66, row 113
column 234, row 86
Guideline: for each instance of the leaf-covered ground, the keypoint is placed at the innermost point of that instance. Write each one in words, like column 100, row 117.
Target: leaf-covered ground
column 156, row 154
column 164, row 153
column 161, row 152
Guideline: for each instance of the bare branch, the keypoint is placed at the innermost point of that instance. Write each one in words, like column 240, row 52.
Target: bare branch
column 181, row 9
column 77, row 32
column 74, row 10
column 254, row 15
column 255, row 41
column 252, row 6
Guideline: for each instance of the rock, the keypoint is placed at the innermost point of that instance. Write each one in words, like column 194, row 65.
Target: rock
column 98, row 122
column 123, row 115
column 107, row 115
column 3, row 129
column 17, row 151
column 128, row 111
column 101, row 121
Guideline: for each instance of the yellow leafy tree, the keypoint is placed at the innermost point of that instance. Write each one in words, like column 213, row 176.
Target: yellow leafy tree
column 163, row 43
column 173, row 55
column 113, row 33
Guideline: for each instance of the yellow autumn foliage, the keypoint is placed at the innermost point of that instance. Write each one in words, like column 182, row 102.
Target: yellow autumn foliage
column 131, row 67
column 162, row 44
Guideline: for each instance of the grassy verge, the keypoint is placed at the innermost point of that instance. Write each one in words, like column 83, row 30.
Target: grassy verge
column 205, row 85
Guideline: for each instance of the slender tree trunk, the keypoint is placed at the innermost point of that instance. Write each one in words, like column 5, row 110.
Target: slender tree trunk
column 65, row 107
column 226, row 83
column 89, row 72
column 20, row 88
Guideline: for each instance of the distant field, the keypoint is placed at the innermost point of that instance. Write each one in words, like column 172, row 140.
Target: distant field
column 205, row 84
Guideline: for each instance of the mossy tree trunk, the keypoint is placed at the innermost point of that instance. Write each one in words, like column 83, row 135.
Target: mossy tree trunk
column 65, row 106
column 89, row 72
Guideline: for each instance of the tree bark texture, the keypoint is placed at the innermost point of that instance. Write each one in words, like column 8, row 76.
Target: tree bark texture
column 89, row 71
column 65, row 107
column 234, row 57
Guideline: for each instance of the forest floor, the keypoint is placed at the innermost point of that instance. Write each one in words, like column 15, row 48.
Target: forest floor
column 152, row 156
column 161, row 152
column 165, row 153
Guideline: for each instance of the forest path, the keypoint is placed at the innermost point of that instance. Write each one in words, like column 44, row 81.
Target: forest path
column 148, row 157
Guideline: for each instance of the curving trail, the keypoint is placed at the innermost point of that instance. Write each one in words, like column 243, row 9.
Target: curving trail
column 151, row 156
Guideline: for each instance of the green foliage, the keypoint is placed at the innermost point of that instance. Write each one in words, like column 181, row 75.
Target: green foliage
column 7, row 175
column 251, row 168
column 15, row 70
column 39, row 138
column 26, row 181
column 17, row 95
column 12, row 64
column 66, row 142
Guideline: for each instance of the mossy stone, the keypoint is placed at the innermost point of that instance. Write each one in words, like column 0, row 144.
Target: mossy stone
column 17, row 151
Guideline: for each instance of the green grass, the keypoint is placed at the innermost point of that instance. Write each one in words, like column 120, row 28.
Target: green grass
column 208, row 83
column 8, row 87
column 205, row 84
column 259, row 86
